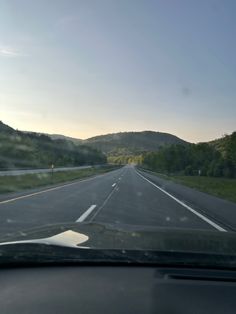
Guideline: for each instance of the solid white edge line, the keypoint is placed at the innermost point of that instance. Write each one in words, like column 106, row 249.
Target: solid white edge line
column 51, row 189
column 36, row 193
column 85, row 214
column 213, row 224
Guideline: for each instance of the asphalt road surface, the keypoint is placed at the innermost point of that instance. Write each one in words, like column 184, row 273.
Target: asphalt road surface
column 123, row 196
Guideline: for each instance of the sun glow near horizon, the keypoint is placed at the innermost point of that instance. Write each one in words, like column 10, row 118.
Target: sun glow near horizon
column 94, row 68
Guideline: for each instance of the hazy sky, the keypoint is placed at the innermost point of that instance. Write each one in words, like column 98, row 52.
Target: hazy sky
column 83, row 68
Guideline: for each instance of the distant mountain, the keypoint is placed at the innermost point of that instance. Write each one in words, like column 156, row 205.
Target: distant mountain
column 67, row 138
column 59, row 137
column 32, row 150
column 125, row 143
column 132, row 143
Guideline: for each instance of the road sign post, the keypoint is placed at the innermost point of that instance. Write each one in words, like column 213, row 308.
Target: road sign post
column 52, row 167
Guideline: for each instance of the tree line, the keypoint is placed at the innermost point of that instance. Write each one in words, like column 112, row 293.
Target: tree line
column 32, row 150
column 214, row 159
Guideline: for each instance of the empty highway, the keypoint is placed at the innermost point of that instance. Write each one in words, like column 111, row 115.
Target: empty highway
column 123, row 196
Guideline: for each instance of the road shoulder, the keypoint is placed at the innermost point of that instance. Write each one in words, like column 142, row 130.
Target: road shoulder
column 220, row 210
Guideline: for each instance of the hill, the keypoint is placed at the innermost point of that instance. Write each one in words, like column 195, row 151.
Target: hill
column 226, row 146
column 64, row 137
column 58, row 137
column 214, row 159
column 5, row 128
column 132, row 143
column 32, row 150
column 222, row 143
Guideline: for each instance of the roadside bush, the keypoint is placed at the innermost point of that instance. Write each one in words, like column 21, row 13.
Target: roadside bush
column 188, row 171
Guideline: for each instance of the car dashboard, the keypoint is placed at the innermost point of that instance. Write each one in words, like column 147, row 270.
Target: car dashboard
column 116, row 289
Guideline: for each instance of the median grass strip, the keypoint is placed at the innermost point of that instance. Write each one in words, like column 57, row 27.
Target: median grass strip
column 30, row 181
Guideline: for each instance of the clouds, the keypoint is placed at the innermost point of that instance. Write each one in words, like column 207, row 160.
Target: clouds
column 9, row 52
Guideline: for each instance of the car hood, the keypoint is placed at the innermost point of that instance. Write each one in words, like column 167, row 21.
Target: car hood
column 111, row 243
column 113, row 236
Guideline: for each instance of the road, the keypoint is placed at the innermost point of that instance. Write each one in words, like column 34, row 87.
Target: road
column 122, row 196
column 17, row 172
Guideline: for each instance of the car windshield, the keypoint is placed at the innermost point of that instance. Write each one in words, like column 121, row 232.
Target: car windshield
column 120, row 114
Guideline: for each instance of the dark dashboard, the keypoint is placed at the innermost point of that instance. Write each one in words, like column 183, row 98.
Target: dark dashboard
column 116, row 289
column 94, row 268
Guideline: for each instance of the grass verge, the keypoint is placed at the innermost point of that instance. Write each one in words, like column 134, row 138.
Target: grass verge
column 29, row 181
column 221, row 187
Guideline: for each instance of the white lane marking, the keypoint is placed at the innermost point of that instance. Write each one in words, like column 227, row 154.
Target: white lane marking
column 49, row 190
column 104, row 203
column 85, row 214
column 213, row 224
column 114, row 184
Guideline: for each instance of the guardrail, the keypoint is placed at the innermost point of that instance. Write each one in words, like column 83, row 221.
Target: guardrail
column 17, row 172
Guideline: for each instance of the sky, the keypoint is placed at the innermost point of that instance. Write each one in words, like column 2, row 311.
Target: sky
column 87, row 67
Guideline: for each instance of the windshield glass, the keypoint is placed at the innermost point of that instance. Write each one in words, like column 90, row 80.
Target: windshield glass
column 119, row 113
